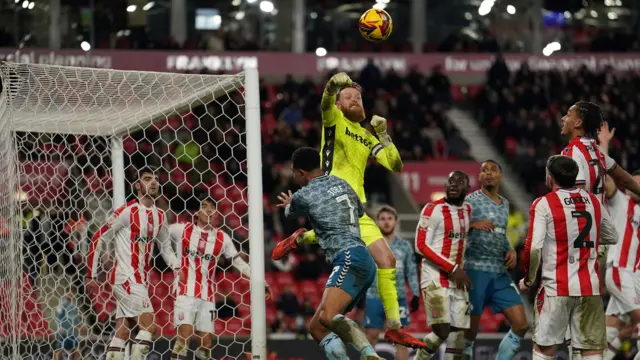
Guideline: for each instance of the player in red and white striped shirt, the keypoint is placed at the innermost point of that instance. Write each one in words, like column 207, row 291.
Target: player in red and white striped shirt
column 581, row 125
column 566, row 226
column 622, row 279
column 440, row 238
column 134, row 228
column 200, row 246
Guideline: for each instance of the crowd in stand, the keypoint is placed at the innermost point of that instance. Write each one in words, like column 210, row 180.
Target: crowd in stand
column 521, row 112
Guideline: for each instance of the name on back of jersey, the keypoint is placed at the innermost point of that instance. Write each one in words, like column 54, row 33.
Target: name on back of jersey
column 577, row 200
column 358, row 138
column 336, row 190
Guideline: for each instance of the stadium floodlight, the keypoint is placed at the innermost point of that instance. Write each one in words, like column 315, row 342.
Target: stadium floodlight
column 485, row 7
column 85, row 46
column 551, row 48
column 72, row 138
column 251, row 1
column 148, row 5
column 240, row 15
column 511, row 9
column 266, row 6
column 379, row 6
column 131, row 8
column 321, row 51
column 25, row 4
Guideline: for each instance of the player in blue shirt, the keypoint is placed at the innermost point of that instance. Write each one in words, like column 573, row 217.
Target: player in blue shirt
column 488, row 253
column 406, row 270
column 333, row 209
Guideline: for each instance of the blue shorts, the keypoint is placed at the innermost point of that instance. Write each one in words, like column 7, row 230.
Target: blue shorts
column 353, row 271
column 66, row 343
column 374, row 316
column 492, row 289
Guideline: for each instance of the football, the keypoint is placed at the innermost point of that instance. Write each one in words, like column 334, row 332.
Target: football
column 375, row 25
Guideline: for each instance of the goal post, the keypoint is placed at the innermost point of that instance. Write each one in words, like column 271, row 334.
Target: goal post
column 72, row 139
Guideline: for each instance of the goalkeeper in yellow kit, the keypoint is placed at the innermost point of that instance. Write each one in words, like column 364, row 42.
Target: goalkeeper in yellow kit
column 346, row 148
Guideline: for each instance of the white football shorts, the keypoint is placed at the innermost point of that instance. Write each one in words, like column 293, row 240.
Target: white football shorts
column 132, row 300
column 446, row 306
column 624, row 287
column 194, row 311
column 580, row 316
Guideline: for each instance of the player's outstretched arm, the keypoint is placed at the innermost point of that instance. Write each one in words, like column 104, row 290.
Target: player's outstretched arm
column 116, row 222
column 384, row 150
column 535, row 241
column 622, row 177
column 608, row 233
column 230, row 252
column 328, row 102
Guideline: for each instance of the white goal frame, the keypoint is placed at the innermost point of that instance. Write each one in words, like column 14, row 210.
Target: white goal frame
column 249, row 80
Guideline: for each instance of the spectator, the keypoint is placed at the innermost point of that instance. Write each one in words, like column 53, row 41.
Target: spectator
column 288, row 302
column 280, row 325
column 499, row 74
column 309, row 268
column 516, row 226
column 292, row 115
column 307, row 308
column 370, row 76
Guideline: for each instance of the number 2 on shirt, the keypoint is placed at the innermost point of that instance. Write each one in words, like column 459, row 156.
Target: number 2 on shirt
column 580, row 242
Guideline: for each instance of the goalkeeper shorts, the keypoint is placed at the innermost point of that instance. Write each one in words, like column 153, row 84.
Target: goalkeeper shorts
column 369, row 230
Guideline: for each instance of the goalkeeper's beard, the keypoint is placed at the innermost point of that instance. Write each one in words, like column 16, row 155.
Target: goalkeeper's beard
column 356, row 116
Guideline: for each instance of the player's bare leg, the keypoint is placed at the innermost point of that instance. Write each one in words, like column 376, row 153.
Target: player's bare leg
column 470, row 335
column 387, row 290
column 57, row 354
column 329, row 314
column 142, row 342
column 206, row 344
column 180, row 348
column 115, row 350
column 510, row 344
column 386, row 262
column 443, row 333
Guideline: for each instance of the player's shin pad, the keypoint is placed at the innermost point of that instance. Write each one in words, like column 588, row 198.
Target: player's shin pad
column 115, row 351
column 142, row 345
column 203, row 354
column 455, row 344
column 309, row 238
column 389, row 296
column 350, row 332
column 179, row 351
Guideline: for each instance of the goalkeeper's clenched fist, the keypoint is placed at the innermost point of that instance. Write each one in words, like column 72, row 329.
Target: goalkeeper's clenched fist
column 337, row 82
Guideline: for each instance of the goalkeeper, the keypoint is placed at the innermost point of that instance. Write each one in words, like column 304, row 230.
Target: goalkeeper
column 346, row 148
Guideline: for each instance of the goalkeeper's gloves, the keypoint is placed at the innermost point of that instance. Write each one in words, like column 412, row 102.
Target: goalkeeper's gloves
column 379, row 124
column 337, row 82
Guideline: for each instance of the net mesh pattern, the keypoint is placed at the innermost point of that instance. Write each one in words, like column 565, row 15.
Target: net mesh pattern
column 57, row 125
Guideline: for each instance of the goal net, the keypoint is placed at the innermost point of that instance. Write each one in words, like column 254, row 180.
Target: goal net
column 71, row 142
